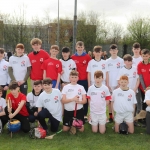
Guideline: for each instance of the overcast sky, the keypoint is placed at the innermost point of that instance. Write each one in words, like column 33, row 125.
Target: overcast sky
column 119, row 11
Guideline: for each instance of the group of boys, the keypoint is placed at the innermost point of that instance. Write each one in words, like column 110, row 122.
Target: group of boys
column 82, row 81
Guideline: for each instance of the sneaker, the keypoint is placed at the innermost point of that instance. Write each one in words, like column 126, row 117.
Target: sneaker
column 113, row 128
column 32, row 125
column 110, row 120
column 72, row 130
column 47, row 132
column 85, row 119
column 136, row 124
column 1, row 127
column 90, row 122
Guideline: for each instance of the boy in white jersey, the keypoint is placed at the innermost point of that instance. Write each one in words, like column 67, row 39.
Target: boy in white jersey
column 4, row 77
column 114, row 63
column 97, row 64
column 67, row 65
column 19, row 68
column 131, row 72
column 123, row 103
column 49, row 106
column 99, row 96
column 73, row 93
column 32, row 99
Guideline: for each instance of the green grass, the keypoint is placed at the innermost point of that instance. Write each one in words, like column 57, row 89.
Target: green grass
column 81, row 141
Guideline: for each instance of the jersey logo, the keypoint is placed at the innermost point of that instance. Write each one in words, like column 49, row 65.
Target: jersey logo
column 57, row 66
column 76, row 61
column 41, row 60
column 84, row 62
column 94, row 66
column 93, row 93
column 120, row 94
column 4, row 68
column 103, row 94
column 50, row 64
column 103, row 66
column 70, row 90
column 110, row 64
column 33, row 61
column 118, row 65
column 56, row 99
column 14, row 62
column 79, row 92
column 70, row 67
column 129, row 97
column 143, row 70
column 23, row 63
column 134, row 74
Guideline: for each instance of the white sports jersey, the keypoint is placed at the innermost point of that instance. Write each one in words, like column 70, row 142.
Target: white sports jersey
column 94, row 65
column 131, row 74
column 52, row 102
column 19, row 66
column 2, row 104
column 67, row 66
column 98, row 97
column 147, row 98
column 4, row 76
column 136, row 60
column 71, row 91
column 114, row 65
column 123, row 100
column 32, row 99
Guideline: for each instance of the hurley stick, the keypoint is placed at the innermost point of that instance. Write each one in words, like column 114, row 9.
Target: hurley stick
column 51, row 136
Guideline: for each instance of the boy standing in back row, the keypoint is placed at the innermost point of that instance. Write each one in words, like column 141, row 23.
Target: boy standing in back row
column 82, row 59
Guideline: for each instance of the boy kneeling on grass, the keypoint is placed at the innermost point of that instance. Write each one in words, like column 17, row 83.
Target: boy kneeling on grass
column 73, row 93
column 123, row 103
column 49, row 106
column 99, row 96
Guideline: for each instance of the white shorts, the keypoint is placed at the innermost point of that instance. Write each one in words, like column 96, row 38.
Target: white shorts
column 98, row 119
column 127, row 117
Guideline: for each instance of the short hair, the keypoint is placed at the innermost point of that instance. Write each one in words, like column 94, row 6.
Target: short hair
column 124, row 77
column 20, row 45
column 1, row 89
column 65, row 49
column 98, row 74
column 97, row 48
column 113, row 46
column 145, row 51
column 2, row 51
column 36, row 41
column 80, row 43
column 37, row 82
column 74, row 73
column 136, row 45
column 47, row 81
column 56, row 47
column 127, row 57
column 13, row 85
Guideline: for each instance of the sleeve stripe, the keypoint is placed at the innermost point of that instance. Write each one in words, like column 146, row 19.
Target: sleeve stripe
column 108, row 98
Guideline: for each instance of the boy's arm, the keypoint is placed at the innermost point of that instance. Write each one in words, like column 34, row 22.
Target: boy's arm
column 112, row 103
column 10, row 72
column 64, row 100
column 3, row 112
column 142, row 81
column 39, row 109
column 107, row 81
column 30, row 111
column 137, row 85
column 44, row 74
column 148, row 102
column 18, row 109
column 83, row 101
column 27, row 74
column 58, row 80
column 89, row 79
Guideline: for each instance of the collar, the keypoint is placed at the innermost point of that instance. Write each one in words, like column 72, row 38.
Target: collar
column 96, row 86
column 146, row 64
column 83, row 54
column 96, row 60
column 18, row 56
column 127, row 68
column 33, row 92
column 65, row 60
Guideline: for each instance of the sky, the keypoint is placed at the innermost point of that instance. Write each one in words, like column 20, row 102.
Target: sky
column 118, row 11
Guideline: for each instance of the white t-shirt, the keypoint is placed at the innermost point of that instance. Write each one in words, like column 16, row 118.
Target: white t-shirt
column 19, row 66
column 4, row 76
column 94, row 65
column 123, row 100
column 52, row 102
column 2, row 104
column 131, row 74
column 147, row 98
column 71, row 91
column 98, row 97
column 32, row 99
column 67, row 67
column 114, row 65
column 136, row 61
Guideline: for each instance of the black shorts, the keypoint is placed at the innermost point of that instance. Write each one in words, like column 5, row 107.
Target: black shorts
column 68, row 117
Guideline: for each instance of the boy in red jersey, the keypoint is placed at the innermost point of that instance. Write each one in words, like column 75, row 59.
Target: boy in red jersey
column 81, row 59
column 18, row 110
column 37, row 57
column 144, row 75
column 52, row 67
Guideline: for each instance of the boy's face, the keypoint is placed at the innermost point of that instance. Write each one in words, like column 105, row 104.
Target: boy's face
column 19, row 51
column 97, row 54
column 98, row 80
column 79, row 48
column 65, row 55
column 37, row 88
column 128, row 63
column 1, row 94
column 1, row 56
column 113, row 52
column 73, row 79
column 123, row 83
column 36, row 47
column 14, row 92
column 47, row 87
column 54, row 52
column 136, row 51
column 145, row 57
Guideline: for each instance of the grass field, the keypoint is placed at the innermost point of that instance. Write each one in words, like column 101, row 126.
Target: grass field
column 81, row 141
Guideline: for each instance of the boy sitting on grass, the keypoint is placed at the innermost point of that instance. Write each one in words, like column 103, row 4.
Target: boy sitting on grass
column 123, row 103
column 99, row 96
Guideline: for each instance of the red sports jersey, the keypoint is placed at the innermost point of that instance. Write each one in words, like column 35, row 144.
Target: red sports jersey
column 81, row 63
column 16, row 101
column 144, row 70
column 36, row 63
column 52, row 67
